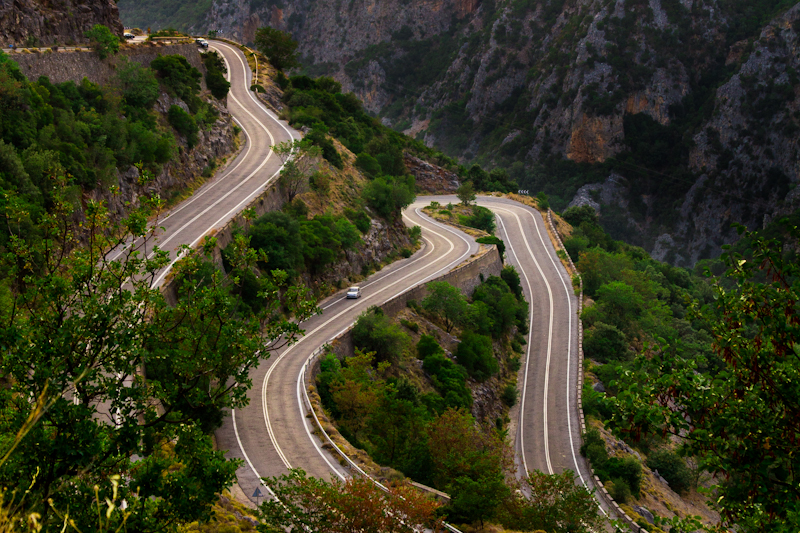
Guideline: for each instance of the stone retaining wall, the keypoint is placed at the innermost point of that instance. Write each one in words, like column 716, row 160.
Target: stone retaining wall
column 61, row 66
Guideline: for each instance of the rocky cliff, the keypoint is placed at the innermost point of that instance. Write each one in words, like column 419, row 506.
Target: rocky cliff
column 47, row 22
column 688, row 109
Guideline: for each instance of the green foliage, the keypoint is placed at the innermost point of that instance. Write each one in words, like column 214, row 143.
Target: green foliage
column 388, row 195
column 368, row 165
column 103, row 41
column 277, row 234
column 427, row 345
column 184, row 124
column 466, row 193
column 89, row 340
column 449, row 379
column 83, row 131
column 671, row 467
column 178, row 76
column 447, row 303
column 496, row 310
column 476, row 354
column 360, row 218
column 509, row 395
column 318, row 138
column 556, row 503
column 215, row 75
column 744, row 390
column 501, row 246
column 374, row 332
column 139, row 85
column 481, row 218
column 278, row 47
column 606, row 344
column 542, row 200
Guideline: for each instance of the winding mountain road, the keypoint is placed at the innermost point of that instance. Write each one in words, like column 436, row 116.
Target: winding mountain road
column 273, row 433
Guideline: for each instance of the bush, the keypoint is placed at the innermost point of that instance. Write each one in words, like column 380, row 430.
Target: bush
column 427, row 345
column 476, row 354
column 177, row 75
column 620, row 490
column 481, row 218
column 605, row 343
column 103, row 41
column 509, row 395
column 373, row 332
column 413, row 326
column 388, row 196
column 673, row 468
column 368, row 165
column 491, row 239
column 450, row 380
column 184, row 124
column 217, row 84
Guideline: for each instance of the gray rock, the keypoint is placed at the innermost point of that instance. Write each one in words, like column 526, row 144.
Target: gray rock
column 599, row 387
column 645, row 513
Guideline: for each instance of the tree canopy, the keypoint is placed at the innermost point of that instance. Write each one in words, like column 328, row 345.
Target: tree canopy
column 278, row 46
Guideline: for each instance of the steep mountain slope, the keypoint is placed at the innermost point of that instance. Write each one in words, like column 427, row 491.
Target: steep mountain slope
column 46, row 22
column 687, row 105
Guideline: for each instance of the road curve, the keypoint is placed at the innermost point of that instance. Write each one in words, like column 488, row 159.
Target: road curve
column 249, row 174
column 272, row 433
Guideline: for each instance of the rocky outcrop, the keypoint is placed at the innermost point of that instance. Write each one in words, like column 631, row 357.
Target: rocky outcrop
column 48, row 22
column 430, row 178
column 524, row 83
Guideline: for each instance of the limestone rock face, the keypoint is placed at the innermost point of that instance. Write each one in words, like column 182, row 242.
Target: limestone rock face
column 526, row 83
column 48, row 22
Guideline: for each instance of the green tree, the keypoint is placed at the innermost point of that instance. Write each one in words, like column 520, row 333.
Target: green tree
column 447, row 303
column 742, row 417
column 466, row 193
column 374, row 332
column 139, row 85
column 556, row 503
column 476, row 354
column 278, row 46
column 605, row 343
column 184, row 123
column 81, row 327
column 103, row 41
column 300, row 159
column 388, row 196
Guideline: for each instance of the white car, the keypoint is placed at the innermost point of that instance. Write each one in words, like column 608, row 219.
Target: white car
column 202, row 43
column 354, row 292
column 129, row 35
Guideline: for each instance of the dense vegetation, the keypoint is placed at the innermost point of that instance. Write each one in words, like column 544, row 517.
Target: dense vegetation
column 87, row 133
column 671, row 343
column 78, row 326
column 381, row 410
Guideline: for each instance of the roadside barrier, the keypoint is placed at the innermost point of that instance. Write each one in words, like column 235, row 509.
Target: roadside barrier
column 601, row 490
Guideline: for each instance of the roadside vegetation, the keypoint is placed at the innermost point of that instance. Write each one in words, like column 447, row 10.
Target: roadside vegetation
column 665, row 341
column 405, row 397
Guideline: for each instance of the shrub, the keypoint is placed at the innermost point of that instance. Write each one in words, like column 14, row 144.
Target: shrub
column 481, row 218
column 217, row 84
column 360, row 218
column 184, row 124
column 368, row 165
column 476, row 355
column 509, row 395
column 373, row 332
column 427, row 345
column 388, row 196
column 501, row 246
column 605, row 343
column 620, row 490
column 104, row 42
column 413, row 326
column 318, row 138
column 673, row 468
column 177, row 75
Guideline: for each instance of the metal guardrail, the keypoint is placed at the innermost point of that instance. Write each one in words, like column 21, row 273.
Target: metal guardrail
column 601, row 490
column 311, row 360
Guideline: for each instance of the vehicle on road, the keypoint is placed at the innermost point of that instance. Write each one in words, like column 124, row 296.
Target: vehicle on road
column 354, row 292
column 128, row 35
column 202, row 43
